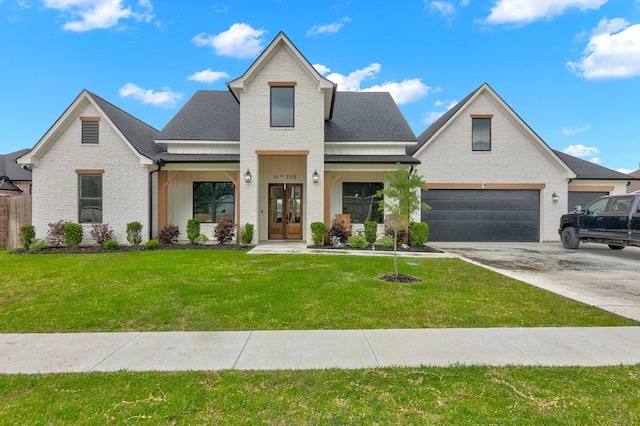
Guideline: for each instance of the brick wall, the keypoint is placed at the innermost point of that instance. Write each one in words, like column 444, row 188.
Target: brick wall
column 125, row 180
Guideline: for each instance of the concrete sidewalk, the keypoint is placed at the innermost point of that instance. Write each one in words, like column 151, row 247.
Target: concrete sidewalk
column 317, row 349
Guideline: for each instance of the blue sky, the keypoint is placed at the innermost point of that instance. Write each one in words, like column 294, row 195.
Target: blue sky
column 569, row 68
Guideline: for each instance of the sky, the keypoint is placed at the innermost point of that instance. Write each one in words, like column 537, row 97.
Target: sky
column 569, row 68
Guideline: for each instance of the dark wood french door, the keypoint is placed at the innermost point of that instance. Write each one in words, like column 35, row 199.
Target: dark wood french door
column 285, row 211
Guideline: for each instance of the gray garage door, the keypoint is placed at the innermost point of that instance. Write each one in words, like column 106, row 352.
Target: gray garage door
column 582, row 198
column 482, row 214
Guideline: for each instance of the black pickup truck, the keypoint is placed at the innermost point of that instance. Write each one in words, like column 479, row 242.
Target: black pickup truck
column 613, row 220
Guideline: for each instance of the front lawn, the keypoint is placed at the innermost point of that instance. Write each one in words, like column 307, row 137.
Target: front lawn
column 410, row 396
column 230, row 290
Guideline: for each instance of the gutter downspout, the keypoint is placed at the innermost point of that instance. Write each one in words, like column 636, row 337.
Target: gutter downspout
column 159, row 164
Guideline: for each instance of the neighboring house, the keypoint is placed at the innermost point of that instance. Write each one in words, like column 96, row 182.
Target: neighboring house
column 15, row 203
column 492, row 178
column 282, row 148
column 14, row 180
column 634, row 186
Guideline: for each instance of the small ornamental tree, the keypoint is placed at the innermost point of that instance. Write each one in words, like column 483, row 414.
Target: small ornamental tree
column 72, row 234
column 27, row 236
column 101, row 232
column 401, row 198
column 55, row 235
column 225, row 231
column 318, row 230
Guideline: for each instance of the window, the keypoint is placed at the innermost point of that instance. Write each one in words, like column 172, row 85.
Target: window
column 214, row 201
column 481, row 134
column 89, row 130
column 90, row 198
column 282, row 106
column 359, row 200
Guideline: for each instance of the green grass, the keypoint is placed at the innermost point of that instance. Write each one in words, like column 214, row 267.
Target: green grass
column 411, row 396
column 230, row 290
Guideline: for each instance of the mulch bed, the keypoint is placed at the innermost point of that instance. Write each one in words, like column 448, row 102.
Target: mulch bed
column 99, row 249
column 409, row 249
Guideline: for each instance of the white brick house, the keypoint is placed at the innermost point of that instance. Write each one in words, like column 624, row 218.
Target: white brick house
column 283, row 148
column 491, row 177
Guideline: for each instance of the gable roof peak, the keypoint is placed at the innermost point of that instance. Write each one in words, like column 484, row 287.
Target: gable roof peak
column 281, row 40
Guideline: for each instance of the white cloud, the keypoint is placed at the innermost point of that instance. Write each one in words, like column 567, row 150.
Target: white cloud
column 164, row 99
column 526, row 11
column 208, row 76
column 352, row 81
column 409, row 90
column 322, row 69
column 613, row 51
column 239, row 41
column 580, row 151
column 329, row 28
column 625, row 171
column 570, row 132
column 432, row 116
column 86, row 15
column 444, row 8
column 406, row 91
column 597, row 160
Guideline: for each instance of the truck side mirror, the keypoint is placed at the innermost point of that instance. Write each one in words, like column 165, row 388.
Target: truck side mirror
column 578, row 208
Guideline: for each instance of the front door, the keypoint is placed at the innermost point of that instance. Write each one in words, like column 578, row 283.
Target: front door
column 285, row 211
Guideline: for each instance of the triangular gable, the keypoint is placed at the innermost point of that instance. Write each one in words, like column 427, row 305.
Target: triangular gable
column 71, row 113
column 431, row 133
column 281, row 40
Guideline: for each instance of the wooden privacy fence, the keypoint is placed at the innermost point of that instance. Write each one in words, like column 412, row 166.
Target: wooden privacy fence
column 14, row 213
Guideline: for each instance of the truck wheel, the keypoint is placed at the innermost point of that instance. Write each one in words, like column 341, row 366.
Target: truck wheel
column 615, row 247
column 570, row 239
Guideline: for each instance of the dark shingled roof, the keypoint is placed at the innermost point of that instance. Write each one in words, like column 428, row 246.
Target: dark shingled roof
column 137, row 132
column 588, row 170
column 11, row 169
column 367, row 117
column 210, row 115
column 358, row 116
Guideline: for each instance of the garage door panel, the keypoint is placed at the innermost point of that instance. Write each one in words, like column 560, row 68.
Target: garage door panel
column 483, row 215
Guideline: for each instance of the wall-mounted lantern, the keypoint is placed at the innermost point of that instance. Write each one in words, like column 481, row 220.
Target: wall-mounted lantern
column 554, row 197
column 315, row 176
column 247, row 176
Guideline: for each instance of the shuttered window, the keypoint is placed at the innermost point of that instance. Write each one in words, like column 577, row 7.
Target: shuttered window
column 90, row 132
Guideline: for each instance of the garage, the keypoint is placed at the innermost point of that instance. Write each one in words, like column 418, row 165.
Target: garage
column 582, row 198
column 483, row 214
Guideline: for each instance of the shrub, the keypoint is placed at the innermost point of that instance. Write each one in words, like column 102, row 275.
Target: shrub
column 340, row 231
column 386, row 241
column 193, row 230
column 403, row 235
column 151, row 245
column 110, row 245
column 370, row 231
column 318, row 229
column 169, row 234
column 358, row 241
column 27, row 235
column 55, row 235
column 224, row 231
column 72, row 234
column 134, row 233
column 101, row 232
column 37, row 244
column 246, row 233
column 419, row 233
column 202, row 239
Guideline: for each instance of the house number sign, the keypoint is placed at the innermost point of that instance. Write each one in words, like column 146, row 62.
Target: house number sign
column 285, row 176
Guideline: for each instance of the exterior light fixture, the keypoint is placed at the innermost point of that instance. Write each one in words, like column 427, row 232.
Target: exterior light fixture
column 247, row 176
column 554, row 197
column 315, row 176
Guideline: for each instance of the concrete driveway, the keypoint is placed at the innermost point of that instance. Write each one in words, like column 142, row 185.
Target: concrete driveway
column 592, row 274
